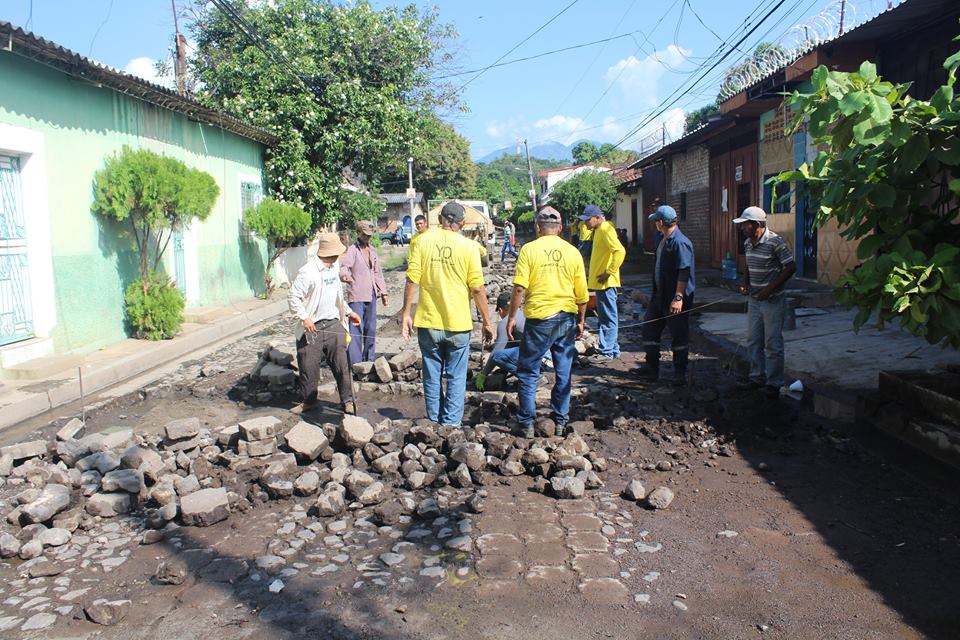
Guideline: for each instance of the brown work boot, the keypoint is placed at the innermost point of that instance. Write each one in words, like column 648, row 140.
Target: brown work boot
column 349, row 408
column 303, row 407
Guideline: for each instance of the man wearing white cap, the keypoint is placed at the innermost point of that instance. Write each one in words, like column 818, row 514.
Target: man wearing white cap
column 769, row 266
column 316, row 298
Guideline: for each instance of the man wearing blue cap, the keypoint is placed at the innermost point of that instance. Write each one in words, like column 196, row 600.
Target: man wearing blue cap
column 672, row 297
column 606, row 257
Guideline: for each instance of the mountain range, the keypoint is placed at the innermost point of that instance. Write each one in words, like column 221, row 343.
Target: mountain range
column 546, row 151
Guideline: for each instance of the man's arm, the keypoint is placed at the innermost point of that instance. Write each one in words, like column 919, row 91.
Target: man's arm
column 346, row 265
column 480, row 298
column 408, row 292
column 515, row 300
column 788, row 270
column 298, row 292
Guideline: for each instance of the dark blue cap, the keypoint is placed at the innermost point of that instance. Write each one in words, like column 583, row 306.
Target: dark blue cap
column 663, row 212
column 591, row 210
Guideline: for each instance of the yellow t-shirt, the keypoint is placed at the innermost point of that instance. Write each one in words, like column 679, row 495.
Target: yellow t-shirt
column 606, row 256
column 584, row 232
column 416, row 238
column 446, row 266
column 551, row 270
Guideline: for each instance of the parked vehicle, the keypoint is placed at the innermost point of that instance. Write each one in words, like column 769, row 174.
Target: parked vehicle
column 401, row 236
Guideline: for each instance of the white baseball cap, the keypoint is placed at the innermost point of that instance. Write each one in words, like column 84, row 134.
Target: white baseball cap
column 751, row 214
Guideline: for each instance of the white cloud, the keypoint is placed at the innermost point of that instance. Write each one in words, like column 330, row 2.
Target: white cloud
column 144, row 67
column 558, row 127
column 637, row 79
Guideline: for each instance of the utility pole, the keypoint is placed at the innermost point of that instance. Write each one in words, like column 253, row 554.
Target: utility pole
column 180, row 58
column 533, row 190
column 411, row 193
column 843, row 9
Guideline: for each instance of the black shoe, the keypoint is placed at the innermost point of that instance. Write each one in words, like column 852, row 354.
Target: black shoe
column 647, row 372
column 747, row 385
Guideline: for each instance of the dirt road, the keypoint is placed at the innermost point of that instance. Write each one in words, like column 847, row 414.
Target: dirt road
column 783, row 526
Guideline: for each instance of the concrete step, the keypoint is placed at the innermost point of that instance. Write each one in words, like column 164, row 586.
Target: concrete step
column 39, row 368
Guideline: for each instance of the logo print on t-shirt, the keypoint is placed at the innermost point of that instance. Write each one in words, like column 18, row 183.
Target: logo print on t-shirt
column 444, row 254
column 553, row 259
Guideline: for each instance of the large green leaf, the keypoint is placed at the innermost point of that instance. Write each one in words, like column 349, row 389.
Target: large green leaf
column 854, row 102
column 883, row 195
column 869, row 132
column 942, row 97
column 914, row 152
column 868, row 71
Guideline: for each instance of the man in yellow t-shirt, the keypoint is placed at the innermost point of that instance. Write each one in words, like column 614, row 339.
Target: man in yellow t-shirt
column 420, row 224
column 550, row 279
column 605, row 259
column 446, row 267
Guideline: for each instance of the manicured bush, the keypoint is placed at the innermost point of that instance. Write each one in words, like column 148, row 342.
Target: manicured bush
column 282, row 224
column 154, row 307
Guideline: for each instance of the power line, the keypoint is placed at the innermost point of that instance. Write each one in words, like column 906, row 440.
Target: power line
column 539, row 55
column 95, row 33
column 671, row 100
column 512, row 49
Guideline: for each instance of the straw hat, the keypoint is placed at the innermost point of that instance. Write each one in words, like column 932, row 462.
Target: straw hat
column 330, row 245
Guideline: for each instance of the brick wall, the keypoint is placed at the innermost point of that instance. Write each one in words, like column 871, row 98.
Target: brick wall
column 689, row 173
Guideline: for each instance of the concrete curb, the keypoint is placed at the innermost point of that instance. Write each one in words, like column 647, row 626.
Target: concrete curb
column 154, row 355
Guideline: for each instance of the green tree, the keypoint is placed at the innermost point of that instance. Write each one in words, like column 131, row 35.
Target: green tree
column 154, row 195
column 698, row 117
column 282, row 225
column 585, row 152
column 442, row 167
column 506, row 178
column 889, row 174
column 344, row 85
column 587, row 187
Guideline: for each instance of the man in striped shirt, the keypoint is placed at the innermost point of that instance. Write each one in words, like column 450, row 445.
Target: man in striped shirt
column 769, row 266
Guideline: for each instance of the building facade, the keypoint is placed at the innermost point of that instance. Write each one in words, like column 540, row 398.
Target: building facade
column 63, row 269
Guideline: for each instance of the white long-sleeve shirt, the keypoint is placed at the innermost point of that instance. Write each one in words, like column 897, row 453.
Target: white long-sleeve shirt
column 317, row 293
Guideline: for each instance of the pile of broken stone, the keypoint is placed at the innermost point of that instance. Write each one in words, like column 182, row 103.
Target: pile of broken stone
column 199, row 476
column 404, row 367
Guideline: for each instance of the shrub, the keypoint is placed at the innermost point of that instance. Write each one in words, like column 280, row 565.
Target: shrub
column 282, row 224
column 154, row 307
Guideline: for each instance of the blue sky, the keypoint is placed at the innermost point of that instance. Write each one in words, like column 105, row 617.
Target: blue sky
column 598, row 92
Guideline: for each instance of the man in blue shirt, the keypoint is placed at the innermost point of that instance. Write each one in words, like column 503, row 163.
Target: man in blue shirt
column 671, row 299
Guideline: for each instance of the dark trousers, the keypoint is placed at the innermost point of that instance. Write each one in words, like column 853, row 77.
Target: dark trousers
column 328, row 343
column 657, row 318
column 363, row 338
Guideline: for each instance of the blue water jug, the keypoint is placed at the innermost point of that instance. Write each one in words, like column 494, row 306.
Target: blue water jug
column 729, row 267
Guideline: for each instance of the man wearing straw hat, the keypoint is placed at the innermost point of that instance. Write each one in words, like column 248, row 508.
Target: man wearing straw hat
column 446, row 268
column 316, row 298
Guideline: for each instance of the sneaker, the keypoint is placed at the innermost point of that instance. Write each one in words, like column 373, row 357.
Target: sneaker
column 560, row 430
column 647, row 372
column 599, row 360
column 349, row 409
column 527, row 432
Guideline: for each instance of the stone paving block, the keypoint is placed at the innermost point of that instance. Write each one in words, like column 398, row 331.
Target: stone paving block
column 499, row 523
column 550, row 577
column 596, row 565
column 259, row 428
column 182, row 429
column 71, row 430
column 576, row 506
column 550, row 553
column 606, row 591
column 581, row 522
column 543, row 533
column 582, row 541
column 307, row 440
column 503, row 544
column 25, row 450
column 499, row 567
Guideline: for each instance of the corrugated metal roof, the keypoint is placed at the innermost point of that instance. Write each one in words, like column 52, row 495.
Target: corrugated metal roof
column 16, row 41
column 400, row 198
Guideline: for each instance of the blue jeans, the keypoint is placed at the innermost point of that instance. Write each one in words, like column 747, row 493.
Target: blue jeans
column 766, row 330
column 556, row 335
column 609, row 323
column 506, row 359
column 445, row 355
column 363, row 338
column 507, row 247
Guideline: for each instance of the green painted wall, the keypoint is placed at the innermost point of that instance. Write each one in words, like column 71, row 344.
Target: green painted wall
column 82, row 124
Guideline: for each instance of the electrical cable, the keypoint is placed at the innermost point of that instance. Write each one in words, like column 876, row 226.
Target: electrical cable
column 512, row 49
column 671, row 100
column 95, row 33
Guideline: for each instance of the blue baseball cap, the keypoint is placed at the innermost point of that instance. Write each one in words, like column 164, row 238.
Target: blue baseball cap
column 591, row 210
column 664, row 212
